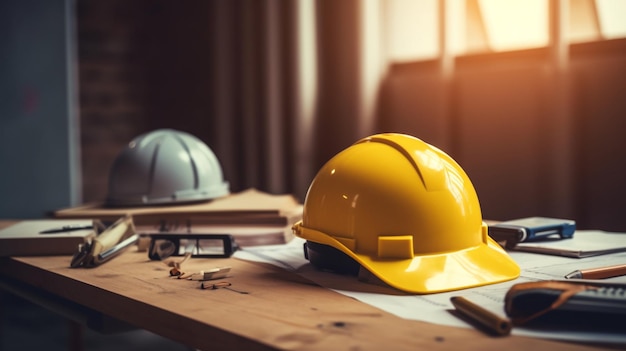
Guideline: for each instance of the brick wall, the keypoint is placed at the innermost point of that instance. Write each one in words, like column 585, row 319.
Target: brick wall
column 143, row 65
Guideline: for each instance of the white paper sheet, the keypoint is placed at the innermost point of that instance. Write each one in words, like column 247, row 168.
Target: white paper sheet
column 434, row 308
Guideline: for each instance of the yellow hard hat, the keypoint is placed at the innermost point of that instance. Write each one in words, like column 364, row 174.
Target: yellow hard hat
column 405, row 211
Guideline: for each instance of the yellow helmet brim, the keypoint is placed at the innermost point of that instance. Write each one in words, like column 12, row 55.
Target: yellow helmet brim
column 486, row 263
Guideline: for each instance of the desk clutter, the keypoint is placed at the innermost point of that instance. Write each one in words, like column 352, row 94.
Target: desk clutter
column 252, row 217
column 365, row 235
column 171, row 182
column 207, row 278
column 438, row 308
column 108, row 243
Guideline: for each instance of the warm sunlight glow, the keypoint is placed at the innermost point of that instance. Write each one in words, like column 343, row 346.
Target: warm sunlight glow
column 515, row 24
column 456, row 26
column 583, row 23
column 413, row 29
column 612, row 14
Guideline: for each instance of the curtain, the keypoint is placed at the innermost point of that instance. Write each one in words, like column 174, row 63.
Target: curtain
column 294, row 83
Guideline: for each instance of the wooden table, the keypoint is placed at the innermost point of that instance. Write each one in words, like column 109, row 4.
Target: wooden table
column 281, row 310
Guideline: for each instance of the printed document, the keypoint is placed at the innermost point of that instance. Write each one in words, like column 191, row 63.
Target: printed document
column 435, row 308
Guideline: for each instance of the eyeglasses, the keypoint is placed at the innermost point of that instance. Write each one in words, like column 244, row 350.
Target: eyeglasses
column 198, row 245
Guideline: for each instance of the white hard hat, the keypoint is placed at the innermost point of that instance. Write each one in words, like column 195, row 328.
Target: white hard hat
column 165, row 166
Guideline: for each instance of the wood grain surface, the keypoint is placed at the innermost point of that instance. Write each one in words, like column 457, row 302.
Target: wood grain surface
column 280, row 309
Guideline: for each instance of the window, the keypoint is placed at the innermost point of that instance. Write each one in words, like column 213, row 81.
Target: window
column 412, row 28
column 515, row 24
column 475, row 26
column 611, row 14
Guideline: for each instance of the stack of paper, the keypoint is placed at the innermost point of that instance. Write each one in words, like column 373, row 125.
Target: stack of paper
column 25, row 238
column 253, row 217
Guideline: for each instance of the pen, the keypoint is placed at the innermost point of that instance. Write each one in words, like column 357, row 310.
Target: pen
column 494, row 323
column 598, row 273
column 66, row 228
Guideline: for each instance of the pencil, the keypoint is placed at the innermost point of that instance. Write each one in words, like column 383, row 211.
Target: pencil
column 598, row 273
column 494, row 323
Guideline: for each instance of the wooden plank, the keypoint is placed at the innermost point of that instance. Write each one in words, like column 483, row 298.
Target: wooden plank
column 280, row 311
